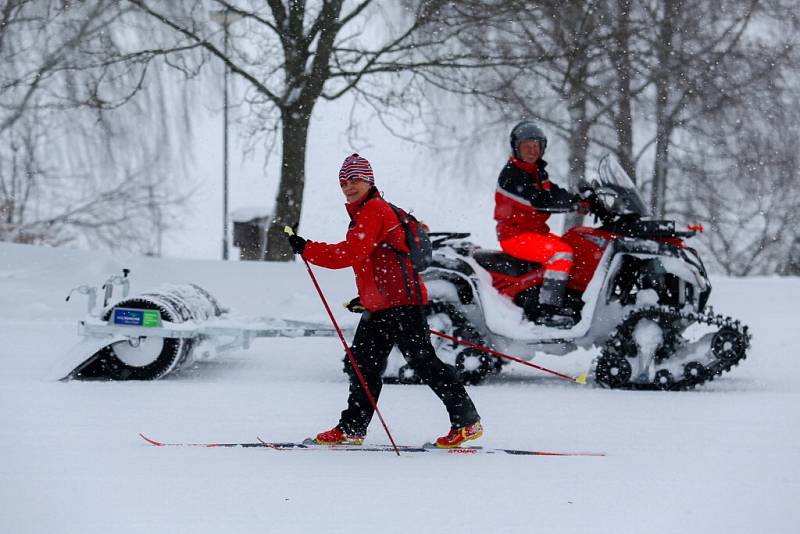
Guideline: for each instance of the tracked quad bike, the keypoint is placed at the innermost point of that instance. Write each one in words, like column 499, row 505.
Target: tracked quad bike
column 636, row 291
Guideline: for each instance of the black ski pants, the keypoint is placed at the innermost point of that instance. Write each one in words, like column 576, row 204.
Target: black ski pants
column 406, row 327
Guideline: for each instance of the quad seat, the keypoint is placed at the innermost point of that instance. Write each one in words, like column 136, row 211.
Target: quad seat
column 500, row 262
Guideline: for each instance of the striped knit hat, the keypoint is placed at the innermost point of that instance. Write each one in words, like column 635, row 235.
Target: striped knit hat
column 356, row 168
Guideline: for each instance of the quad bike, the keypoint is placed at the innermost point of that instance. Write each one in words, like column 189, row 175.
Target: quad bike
column 636, row 291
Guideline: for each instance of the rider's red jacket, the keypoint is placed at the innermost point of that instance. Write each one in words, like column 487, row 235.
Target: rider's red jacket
column 376, row 250
column 525, row 197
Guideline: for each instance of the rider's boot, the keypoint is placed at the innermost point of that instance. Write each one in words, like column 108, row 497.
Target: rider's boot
column 555, row 317
column 551, row 301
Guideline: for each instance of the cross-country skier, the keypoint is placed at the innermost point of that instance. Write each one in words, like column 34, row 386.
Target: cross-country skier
column 376, row 249
column 524, row 200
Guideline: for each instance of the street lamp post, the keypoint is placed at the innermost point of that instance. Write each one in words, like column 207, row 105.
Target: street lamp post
column 225, row 228
column 225, row 17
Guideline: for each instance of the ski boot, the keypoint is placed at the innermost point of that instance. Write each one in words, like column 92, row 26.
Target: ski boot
column 457, row 436
column 335, row 436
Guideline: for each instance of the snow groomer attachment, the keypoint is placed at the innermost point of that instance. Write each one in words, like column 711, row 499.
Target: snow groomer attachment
column 152, row 334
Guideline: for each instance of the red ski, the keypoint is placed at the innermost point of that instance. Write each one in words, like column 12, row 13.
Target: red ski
column 308, row 445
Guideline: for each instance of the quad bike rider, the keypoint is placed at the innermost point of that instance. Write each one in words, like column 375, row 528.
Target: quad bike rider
column 635, row 290
column 524, row 200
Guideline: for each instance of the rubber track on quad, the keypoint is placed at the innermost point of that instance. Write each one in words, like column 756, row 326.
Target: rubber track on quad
column 620, row 349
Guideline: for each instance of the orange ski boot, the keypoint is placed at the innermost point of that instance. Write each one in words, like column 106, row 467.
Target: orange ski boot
column 457, row 436
column 335, row 436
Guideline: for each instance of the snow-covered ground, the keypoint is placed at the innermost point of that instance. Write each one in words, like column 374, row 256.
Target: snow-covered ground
column 722, row 459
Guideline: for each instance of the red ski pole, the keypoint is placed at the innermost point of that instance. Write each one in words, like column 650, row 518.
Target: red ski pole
column 361, row 379
column 580, row 379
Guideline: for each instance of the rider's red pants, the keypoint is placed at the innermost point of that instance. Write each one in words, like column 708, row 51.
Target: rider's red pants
column 547, row 249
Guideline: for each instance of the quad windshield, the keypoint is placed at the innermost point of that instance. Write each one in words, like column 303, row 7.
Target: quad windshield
column 616, row 189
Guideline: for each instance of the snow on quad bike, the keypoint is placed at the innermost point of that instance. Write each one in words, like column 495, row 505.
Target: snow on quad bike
column 636, row 291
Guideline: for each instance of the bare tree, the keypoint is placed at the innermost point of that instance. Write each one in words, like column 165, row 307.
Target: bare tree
column 74, row 165
column 620, row 51
column 293, row 53
column 745, row 188
column 704, row 60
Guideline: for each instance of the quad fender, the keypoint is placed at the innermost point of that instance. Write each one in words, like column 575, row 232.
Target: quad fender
column 675, row 281
column 448, row 285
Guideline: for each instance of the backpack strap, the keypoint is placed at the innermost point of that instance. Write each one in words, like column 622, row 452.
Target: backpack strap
column 407, row 276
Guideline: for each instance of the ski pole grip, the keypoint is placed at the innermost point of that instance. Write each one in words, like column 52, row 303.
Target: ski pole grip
column 288, row 230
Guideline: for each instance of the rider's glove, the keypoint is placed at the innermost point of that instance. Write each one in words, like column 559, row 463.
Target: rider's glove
column 585, row 190
column 586, row 199
column 297, row 243
column 355, row 306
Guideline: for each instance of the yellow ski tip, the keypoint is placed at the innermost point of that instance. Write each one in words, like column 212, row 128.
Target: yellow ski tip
column 581, row 378
column 288, row 229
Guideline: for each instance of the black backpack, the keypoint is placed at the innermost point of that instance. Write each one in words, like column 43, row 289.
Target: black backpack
column 417, row 240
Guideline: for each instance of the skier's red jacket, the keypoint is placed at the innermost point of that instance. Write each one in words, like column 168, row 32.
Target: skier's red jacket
column 376, row 250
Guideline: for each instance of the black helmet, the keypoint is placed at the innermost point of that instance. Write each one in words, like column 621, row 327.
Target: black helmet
column 526, row 130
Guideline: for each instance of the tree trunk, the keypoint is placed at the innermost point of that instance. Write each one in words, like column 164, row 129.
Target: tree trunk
column 663, row 119
column 663, row 132
column 580, row 27
column 623, row 118
column 578, row 145
column 289, row 199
